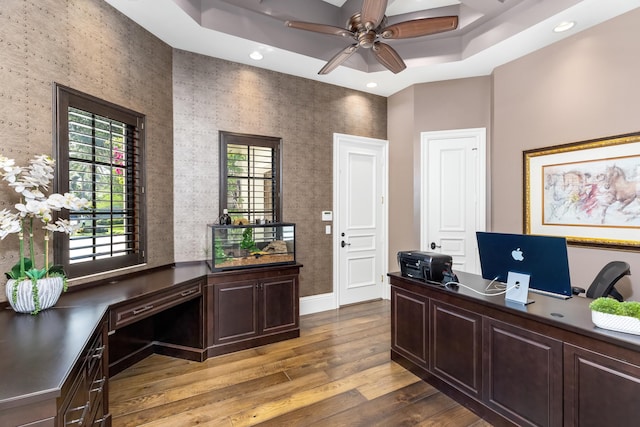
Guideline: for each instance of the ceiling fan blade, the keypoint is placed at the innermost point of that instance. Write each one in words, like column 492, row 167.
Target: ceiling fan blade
column 372, row 13
column 319, row 28
column 388, row 57
column 419, row 27
column 339, row 58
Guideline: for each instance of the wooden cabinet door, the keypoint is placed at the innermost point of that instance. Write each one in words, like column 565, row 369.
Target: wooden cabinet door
column 279, row 304
column 236, row 311
column 600, row 390
column 522, row 374
column 410, row 326
column 456, row 347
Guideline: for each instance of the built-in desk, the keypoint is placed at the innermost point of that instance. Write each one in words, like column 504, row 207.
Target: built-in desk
column 542, row 364
column 54, row 367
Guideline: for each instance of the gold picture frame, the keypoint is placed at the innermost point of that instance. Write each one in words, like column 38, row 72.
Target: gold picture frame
column 588, row 192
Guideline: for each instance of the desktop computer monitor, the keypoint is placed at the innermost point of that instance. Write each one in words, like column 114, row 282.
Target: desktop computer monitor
column 543, row 258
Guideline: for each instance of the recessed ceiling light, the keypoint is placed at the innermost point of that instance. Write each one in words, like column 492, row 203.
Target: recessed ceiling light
column 372, row 84
column 255, row 55
column 564, row 26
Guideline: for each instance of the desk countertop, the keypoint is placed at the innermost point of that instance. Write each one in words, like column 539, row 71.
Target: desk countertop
column 38, row 352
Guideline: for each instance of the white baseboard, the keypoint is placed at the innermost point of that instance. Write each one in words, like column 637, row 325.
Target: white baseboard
column 323, row 302
column 318, row 303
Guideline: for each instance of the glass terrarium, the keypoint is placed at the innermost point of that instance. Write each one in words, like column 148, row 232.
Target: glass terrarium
column 256, row 245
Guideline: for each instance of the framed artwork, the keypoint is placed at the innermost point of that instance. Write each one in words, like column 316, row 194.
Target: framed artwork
column 588, row 192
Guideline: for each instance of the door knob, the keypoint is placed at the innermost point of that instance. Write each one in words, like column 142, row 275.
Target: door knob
column 343, row 244
column 433, row 245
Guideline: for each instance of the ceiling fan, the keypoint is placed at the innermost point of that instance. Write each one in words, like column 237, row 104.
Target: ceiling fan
column 368, row 28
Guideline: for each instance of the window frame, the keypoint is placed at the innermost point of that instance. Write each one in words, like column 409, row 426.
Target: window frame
column 65, row 97
column 234, row 138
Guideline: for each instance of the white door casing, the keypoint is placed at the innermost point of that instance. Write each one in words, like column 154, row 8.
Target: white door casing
column 453, row 194
column 360, row 218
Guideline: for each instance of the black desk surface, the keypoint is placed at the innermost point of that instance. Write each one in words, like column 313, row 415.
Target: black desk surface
column 572, row 314
column 37, row 352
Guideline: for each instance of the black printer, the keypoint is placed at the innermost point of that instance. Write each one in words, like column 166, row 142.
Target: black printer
column 426, row 266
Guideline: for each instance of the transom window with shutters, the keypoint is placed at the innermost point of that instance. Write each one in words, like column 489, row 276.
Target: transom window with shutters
column 250, row 184
column 100, row 157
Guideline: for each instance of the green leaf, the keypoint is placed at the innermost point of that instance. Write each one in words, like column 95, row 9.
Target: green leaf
column 35, row 274
column 612, row 306
column 631, row 309
column 15, row 270
column 56, row 270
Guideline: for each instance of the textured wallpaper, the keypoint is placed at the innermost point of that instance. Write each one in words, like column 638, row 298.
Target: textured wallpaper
column 187, row 99
column 89, row 46
column 211, row 95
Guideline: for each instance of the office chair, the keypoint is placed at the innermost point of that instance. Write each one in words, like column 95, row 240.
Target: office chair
column 604, row 283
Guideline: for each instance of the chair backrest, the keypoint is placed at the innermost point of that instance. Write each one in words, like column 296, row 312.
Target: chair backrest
column 605, row 280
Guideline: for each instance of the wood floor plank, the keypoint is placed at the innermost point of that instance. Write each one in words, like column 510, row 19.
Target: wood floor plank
column 318, row 411
column 268, row 410
column 396, row 380
column 212, row 376
column 455, row 416
column 216, row 411
column 337, row 373
column 370, row 411
column 422, row 410
column 137, row 412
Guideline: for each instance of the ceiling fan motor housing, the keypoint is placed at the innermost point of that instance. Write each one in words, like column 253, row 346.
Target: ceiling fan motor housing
column 365, row 36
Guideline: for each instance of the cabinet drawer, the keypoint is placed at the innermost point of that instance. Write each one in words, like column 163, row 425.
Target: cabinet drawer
column 145, row 307
column 79, row 407
column 95, row 356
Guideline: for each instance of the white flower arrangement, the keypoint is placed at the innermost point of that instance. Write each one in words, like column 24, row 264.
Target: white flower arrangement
column 30, row 183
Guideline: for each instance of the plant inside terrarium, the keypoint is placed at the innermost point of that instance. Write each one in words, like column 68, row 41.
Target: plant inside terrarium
column 247, row 242
column 219, row 254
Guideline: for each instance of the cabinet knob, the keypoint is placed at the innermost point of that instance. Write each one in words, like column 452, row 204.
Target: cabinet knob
column 100, row 385
column 189, row 292
column 97, row 352
column 79, row 421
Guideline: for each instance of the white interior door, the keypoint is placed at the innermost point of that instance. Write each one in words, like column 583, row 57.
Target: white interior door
column 453, row 193
column 360, row 236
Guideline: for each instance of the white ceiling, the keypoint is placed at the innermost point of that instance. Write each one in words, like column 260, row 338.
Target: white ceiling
column 491, row 33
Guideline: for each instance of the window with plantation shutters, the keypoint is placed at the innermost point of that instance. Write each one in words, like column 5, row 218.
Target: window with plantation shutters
column 250, row 177
column 100, row 158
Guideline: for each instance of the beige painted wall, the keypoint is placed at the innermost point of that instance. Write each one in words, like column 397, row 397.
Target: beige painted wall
column 89, row 46
column 453, row 104
column 582, row 88
column 212, row 95
column 403, row 231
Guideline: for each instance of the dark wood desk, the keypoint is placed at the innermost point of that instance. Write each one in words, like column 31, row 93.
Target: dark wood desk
column 544, row 364
column 54, row 367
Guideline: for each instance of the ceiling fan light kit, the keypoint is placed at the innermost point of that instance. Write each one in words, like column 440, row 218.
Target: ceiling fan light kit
column 368, row 28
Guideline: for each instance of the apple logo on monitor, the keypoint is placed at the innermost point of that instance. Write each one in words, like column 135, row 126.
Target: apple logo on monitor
column 517, row 254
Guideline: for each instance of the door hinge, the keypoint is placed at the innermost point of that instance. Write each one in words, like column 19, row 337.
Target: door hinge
column 382, row 200
column 382, row 278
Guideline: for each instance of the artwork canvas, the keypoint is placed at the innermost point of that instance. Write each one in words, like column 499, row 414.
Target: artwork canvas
column 588, row 192
column 601, row 192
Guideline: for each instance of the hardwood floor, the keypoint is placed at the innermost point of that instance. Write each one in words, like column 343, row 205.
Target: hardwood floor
column 338, row 373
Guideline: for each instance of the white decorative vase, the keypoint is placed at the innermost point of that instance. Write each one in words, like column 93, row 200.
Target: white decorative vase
column 629, row 325
column 49, row 290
